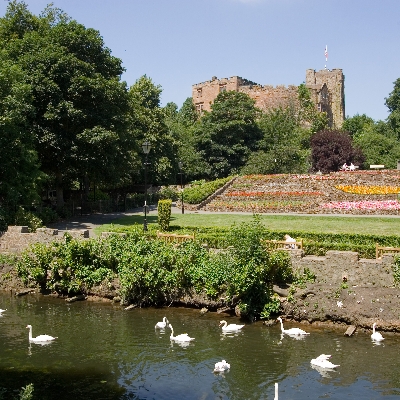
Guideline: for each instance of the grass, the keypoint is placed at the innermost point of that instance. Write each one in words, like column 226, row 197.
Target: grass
column 379, row 225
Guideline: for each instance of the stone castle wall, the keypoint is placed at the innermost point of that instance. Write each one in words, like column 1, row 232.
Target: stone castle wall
column 339, row 266
column 327, row 91
column 18, row 238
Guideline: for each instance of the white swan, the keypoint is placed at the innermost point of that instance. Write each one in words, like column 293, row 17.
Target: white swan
column 163, row 324
column 230, row 327
column 323, row 361
column 1, row 311
column 221, row 366
column 292, row 331
column 376, row 335
column 183, row 337
column 40, row 338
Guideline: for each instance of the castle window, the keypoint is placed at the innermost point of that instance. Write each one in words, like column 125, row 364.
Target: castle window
column 199, row 92
column 199, row 107
column 222, row 88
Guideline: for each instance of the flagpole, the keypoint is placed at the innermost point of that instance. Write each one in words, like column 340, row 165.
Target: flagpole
column 326, row 55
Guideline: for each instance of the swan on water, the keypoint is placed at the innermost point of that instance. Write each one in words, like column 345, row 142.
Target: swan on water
column 221, row 366
column 323, row 361
column 183, row 337
column 230, row 327
column 292, row 331
column 40, row 338
column 376, row 335
column 162, row 324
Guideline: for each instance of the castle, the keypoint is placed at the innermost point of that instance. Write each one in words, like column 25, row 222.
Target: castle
column 326, row 87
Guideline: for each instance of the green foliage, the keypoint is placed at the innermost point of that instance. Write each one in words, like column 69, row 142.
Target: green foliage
column 393, row 104
column 228, row 134
column 47, row 215
column 396, row 270
column 200, row 190
column 27, row 218
column 168, row 192
column 272, row 307
column 164, row 214
column 26, row 392
column 357, row 124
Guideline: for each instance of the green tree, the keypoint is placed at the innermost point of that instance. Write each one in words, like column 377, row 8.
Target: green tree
column 356, row 124
column 228, row 134
column 393, row 103
column 284, row 147
column 80, row 104
column 19, row 167
column 148, row 122
column 379, row 144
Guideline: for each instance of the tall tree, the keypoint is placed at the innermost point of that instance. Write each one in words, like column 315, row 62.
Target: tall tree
column 19, row 167
column 147, row 122
column 228, row 134
column 281, row 149
column 393, row 103
column 80, row 103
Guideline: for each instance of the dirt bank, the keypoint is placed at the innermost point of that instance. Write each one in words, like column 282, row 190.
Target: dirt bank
column 315, row 303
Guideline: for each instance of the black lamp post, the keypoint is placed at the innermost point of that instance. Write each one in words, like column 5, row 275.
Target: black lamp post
column 180, row 165
column 146, row 149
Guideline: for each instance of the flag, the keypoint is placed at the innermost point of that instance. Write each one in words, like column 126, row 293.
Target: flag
column 326, row 52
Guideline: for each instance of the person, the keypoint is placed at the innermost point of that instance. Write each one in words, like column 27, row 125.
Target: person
column 352, row 167
column 344, row 167
column 291, row 243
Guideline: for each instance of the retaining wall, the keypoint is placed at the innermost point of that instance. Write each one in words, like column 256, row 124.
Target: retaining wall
column 346, row 266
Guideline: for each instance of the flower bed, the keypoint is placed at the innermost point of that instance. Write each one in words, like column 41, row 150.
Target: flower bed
column 362, row 205
column 361, row 189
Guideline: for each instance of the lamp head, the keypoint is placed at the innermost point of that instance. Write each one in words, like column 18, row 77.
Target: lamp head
column 146, row 146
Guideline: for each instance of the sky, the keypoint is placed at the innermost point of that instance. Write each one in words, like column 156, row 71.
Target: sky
column 178, row 43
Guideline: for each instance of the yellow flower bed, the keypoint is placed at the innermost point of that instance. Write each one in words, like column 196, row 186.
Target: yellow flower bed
column 360, row 189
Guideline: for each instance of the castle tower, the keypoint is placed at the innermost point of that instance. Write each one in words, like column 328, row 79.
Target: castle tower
column 331, row 99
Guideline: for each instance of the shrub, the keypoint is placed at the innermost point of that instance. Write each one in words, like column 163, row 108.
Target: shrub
column 164, row 214
column 27, row 218
column 168, row 192
column 200, row 190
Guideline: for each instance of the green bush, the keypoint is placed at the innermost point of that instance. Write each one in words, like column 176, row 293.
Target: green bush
column 200, row 190
column 27, row 218
column 164, row 214
column 168, row 192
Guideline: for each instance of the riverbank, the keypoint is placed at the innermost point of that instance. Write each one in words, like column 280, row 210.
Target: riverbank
column 312, row 304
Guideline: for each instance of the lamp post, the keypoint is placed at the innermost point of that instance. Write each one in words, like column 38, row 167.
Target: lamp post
column 180, row 165
column 146, row 146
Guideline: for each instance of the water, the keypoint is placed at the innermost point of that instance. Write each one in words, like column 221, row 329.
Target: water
column 105, row 352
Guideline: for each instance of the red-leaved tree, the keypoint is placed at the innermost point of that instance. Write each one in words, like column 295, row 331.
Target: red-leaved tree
column 330, row 149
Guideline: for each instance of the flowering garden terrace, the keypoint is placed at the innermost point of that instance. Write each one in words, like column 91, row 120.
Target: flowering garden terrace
column 344, row 192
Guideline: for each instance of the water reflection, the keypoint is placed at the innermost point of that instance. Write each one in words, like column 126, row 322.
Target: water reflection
column 106, row 352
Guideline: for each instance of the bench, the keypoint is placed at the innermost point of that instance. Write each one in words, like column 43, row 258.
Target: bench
column 376, row 166
column 172, row 237
column 382, row 249
column 283, row 244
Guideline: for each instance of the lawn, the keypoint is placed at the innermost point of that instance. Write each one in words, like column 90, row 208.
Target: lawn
column 374, row 225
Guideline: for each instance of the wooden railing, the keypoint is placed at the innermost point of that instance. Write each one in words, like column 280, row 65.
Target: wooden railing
column 172, row 237
column 283, row 244
column 382, row 249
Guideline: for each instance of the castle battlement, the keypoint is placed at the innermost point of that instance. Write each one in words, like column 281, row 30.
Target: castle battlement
column 327, row 93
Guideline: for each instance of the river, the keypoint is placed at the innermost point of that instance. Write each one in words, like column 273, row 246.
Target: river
column 105, row 352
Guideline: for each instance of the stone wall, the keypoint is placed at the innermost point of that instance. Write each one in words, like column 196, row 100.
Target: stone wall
column 339, row 266
column 18, row 238
column 327, row 93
